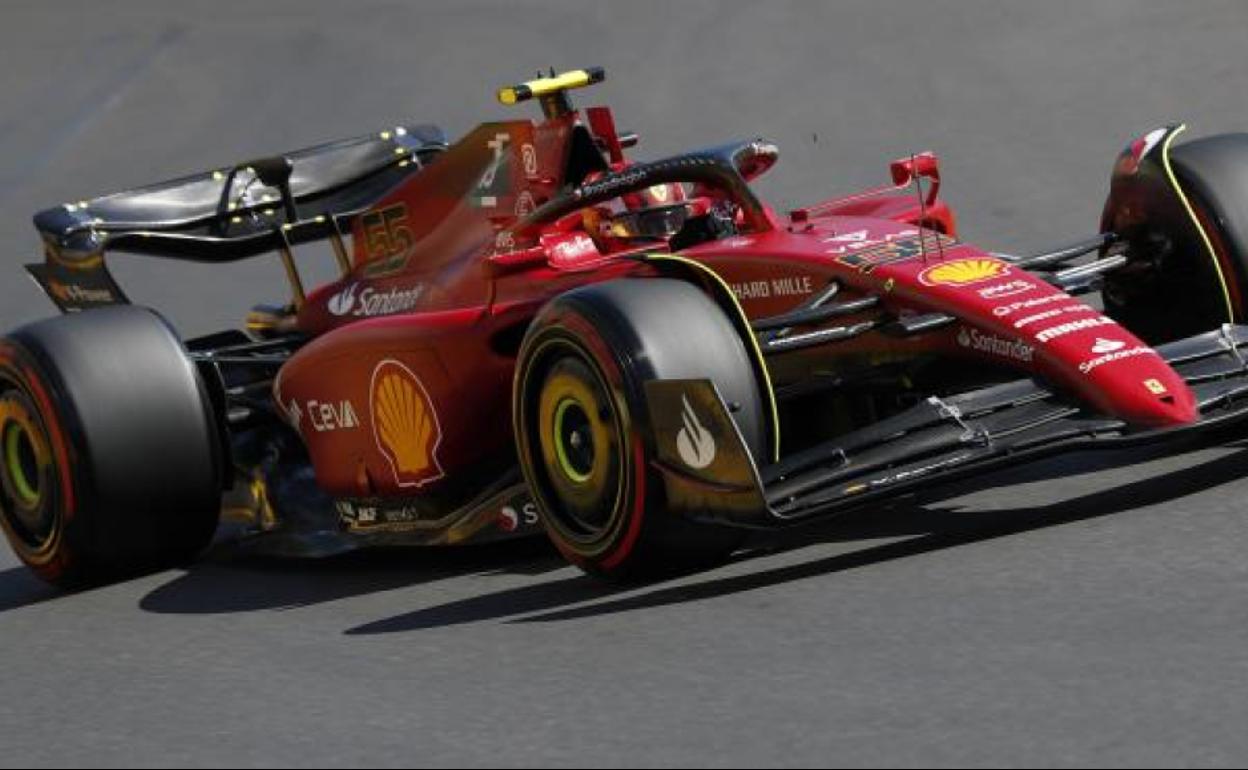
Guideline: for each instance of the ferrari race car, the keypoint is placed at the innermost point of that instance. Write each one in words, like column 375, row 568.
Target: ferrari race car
column 532, row 332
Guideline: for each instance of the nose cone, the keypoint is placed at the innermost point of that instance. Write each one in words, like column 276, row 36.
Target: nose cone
column 1125, row 378
column 1153, row 397
column 1013, row 317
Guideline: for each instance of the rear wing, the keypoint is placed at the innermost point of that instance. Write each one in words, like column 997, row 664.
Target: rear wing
column 228, row 214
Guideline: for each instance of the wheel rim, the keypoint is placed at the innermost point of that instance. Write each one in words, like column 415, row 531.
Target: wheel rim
column 574, row 441
column 26, row 470
column 579, row 442
column 21, row 465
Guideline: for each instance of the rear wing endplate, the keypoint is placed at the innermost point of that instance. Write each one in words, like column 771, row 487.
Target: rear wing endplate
column 73, row 287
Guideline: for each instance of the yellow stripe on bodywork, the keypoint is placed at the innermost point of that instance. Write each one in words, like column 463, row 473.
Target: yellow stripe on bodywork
column 753, row 341
column 1191, row 213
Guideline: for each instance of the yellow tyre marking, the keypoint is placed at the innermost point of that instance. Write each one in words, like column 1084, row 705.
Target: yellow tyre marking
column 1191, row 213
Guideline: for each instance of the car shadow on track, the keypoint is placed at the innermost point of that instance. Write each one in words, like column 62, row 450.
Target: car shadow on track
column 233, row 581
column 925, row 528
column 19, row 588
column 230, row 579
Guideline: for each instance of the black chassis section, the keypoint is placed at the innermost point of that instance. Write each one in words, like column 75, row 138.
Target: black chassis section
column 937, row 441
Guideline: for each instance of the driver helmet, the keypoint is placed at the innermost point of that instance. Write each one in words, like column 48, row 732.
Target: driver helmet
column 655, row 213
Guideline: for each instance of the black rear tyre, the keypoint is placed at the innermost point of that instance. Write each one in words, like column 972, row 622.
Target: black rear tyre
column 110, row 461
column 581, row 421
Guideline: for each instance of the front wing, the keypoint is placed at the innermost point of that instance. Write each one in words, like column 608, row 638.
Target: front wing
column 935, row 441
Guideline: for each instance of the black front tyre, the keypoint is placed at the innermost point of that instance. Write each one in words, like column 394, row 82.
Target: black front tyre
column 1184, row 214
column 581, row 420
column 110, row 462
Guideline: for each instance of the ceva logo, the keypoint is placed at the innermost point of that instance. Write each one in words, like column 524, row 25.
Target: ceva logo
column 694, row 443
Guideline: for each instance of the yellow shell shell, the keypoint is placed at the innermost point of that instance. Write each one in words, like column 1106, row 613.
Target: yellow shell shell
column 403, row 421
column 964, row 271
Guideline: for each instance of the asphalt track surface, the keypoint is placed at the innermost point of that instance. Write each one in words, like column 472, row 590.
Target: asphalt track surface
column 1077, row 612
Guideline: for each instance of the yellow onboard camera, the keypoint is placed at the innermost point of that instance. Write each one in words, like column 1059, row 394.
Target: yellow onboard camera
column 552, row 91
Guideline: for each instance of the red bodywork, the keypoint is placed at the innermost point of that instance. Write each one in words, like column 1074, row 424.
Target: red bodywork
column 409, row 379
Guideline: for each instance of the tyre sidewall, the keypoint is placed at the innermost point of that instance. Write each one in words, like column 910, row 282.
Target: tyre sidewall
column 619, row 341
column 130, row 414
column 58, row 559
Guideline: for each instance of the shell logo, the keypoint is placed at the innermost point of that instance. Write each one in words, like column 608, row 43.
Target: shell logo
column 405, row 424
column 964, row 272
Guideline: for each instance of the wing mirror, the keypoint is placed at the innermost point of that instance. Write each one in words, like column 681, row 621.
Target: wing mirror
column 925, row 165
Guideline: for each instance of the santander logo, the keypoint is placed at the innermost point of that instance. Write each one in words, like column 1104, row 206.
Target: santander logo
column 694, row 443
column 342, row 303
column 508, row 519
column 372, row 301
column 1103, row 346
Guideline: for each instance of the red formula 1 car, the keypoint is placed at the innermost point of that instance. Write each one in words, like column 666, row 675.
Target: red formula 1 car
column 533, row 332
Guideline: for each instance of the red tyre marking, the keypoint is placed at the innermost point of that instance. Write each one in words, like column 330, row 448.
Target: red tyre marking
column 55, row 436
column 639, row 509
column 1220, row 254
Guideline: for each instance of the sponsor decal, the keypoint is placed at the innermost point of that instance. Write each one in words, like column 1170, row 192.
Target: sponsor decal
column 1103, row 346
column 371, row 301
column 789, row 286
column 1007, row 289
column 1087, row 367
column 356, row 514
column 1023, row 323
column 295, row 415
column 611, row 184
column 71, row 292
column 1013, row 349
column 573, row 249
column 325, row 417
column 364, row 514
column 739, row 242
column 964, row 272
column 1156, row 387
column 858, row 236
column 694, row 443
column 528, row 157
column 752, row 290
column 894, row 247
column 1030, row 304
column 1061, row 330
column 525, row 204
column 405, row 424
column 499, row 145
column 344, row 301
column 1047, row 315
column 511, row 518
